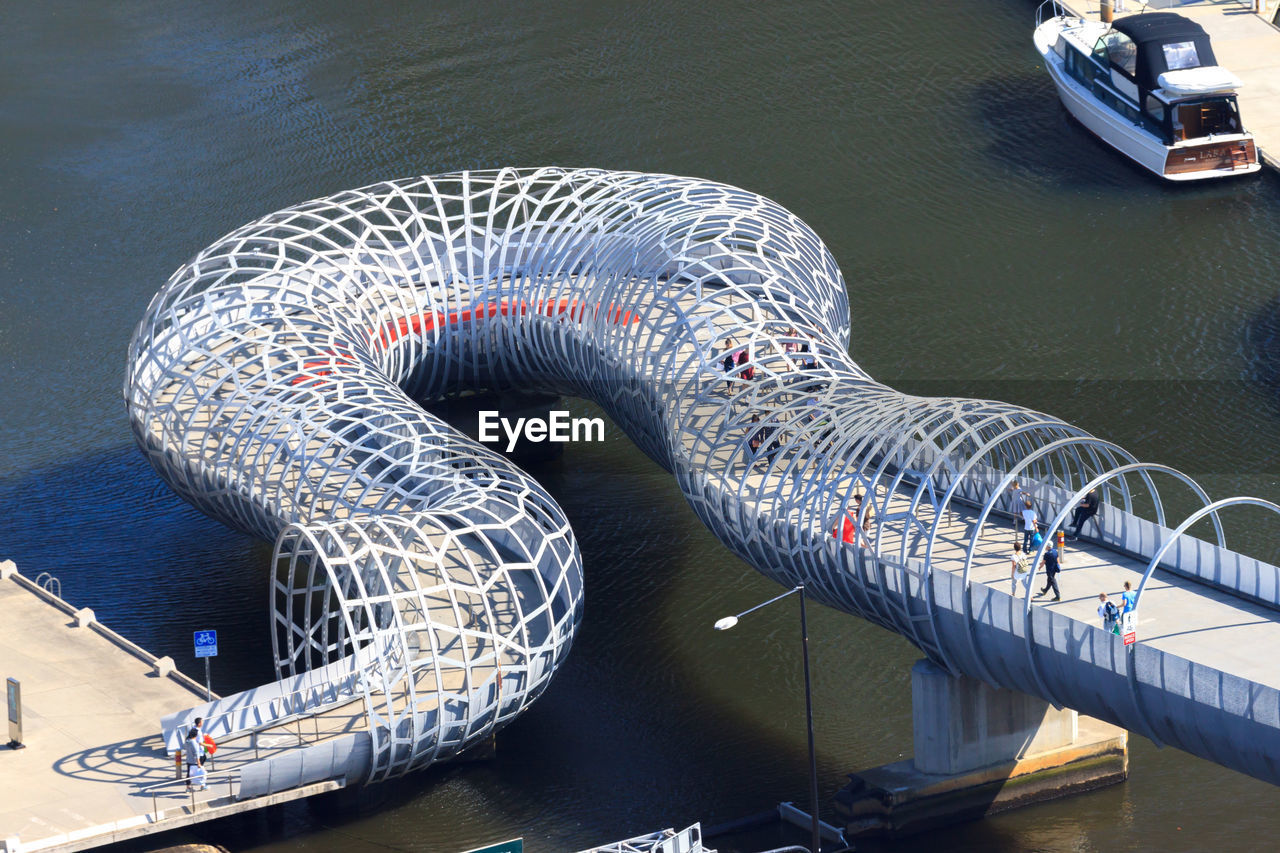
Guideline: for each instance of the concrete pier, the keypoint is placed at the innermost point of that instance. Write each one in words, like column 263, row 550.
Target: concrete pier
column 91, row 706
column 1245, row 43
column 980, row 750
column 93, row 769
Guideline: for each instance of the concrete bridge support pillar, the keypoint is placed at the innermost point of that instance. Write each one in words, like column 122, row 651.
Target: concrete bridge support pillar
column 962, row 724
column 980, row 750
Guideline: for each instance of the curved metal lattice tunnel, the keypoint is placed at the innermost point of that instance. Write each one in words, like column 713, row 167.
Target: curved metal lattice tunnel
column 275, row 383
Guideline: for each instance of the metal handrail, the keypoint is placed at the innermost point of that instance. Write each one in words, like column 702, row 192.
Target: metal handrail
column 297, row 719
column 232, row 777
column 48, row 582
column 291, row 715
column 1058, row 9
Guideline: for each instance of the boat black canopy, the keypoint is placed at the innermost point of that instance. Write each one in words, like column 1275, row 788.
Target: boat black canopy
column 1165, row 42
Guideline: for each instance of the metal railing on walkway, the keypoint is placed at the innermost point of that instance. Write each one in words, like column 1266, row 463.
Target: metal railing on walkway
column 229, row 777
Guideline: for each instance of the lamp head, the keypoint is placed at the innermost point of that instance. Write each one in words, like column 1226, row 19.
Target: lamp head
column 726, row 623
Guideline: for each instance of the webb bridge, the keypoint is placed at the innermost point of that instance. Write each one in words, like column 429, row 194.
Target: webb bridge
column 426, row 589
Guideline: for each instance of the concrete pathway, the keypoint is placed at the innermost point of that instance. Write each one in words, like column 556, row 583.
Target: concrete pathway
column 1245, row 44
column 94, row 769
column 91, row 720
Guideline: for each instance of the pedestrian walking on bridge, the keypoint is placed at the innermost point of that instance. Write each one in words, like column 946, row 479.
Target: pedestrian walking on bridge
column 1029, row 523
column 192, row 751
column 1019, row 569
column 1051, row 569
column 1108, row 613
column 1129, row 597
column 730, row 363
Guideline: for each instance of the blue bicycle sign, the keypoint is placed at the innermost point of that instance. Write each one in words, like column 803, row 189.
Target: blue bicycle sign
column 206, row 643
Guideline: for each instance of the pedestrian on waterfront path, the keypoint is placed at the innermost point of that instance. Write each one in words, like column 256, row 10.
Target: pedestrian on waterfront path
column 1028, row 523
column 192, row 751
column 1088, row 509
column 1019, row 569
column 1050, row 563
column 1108, row 613
column 744, row 362
column 1130, row 598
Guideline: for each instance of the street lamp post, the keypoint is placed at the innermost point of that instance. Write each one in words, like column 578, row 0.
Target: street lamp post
column 728, row 622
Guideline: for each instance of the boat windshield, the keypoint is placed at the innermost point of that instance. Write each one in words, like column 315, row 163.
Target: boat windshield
column 1119, row 50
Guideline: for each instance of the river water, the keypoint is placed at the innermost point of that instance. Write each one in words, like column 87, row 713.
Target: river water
column 992, row 248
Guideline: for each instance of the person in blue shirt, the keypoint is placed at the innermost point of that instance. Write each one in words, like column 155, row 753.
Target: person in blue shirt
column 1129, row 599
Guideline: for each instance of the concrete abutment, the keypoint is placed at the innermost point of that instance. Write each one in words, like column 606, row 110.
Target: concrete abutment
column 980, row 750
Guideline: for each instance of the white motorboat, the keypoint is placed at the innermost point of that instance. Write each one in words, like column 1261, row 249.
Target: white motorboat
column 1148, row 85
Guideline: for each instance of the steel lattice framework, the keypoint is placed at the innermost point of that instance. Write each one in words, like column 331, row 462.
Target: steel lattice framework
column 276, row 380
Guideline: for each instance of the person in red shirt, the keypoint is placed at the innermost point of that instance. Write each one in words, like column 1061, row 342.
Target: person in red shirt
column 848, row 529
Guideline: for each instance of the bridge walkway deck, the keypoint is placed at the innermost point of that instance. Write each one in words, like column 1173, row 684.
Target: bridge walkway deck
column 1178, row 615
